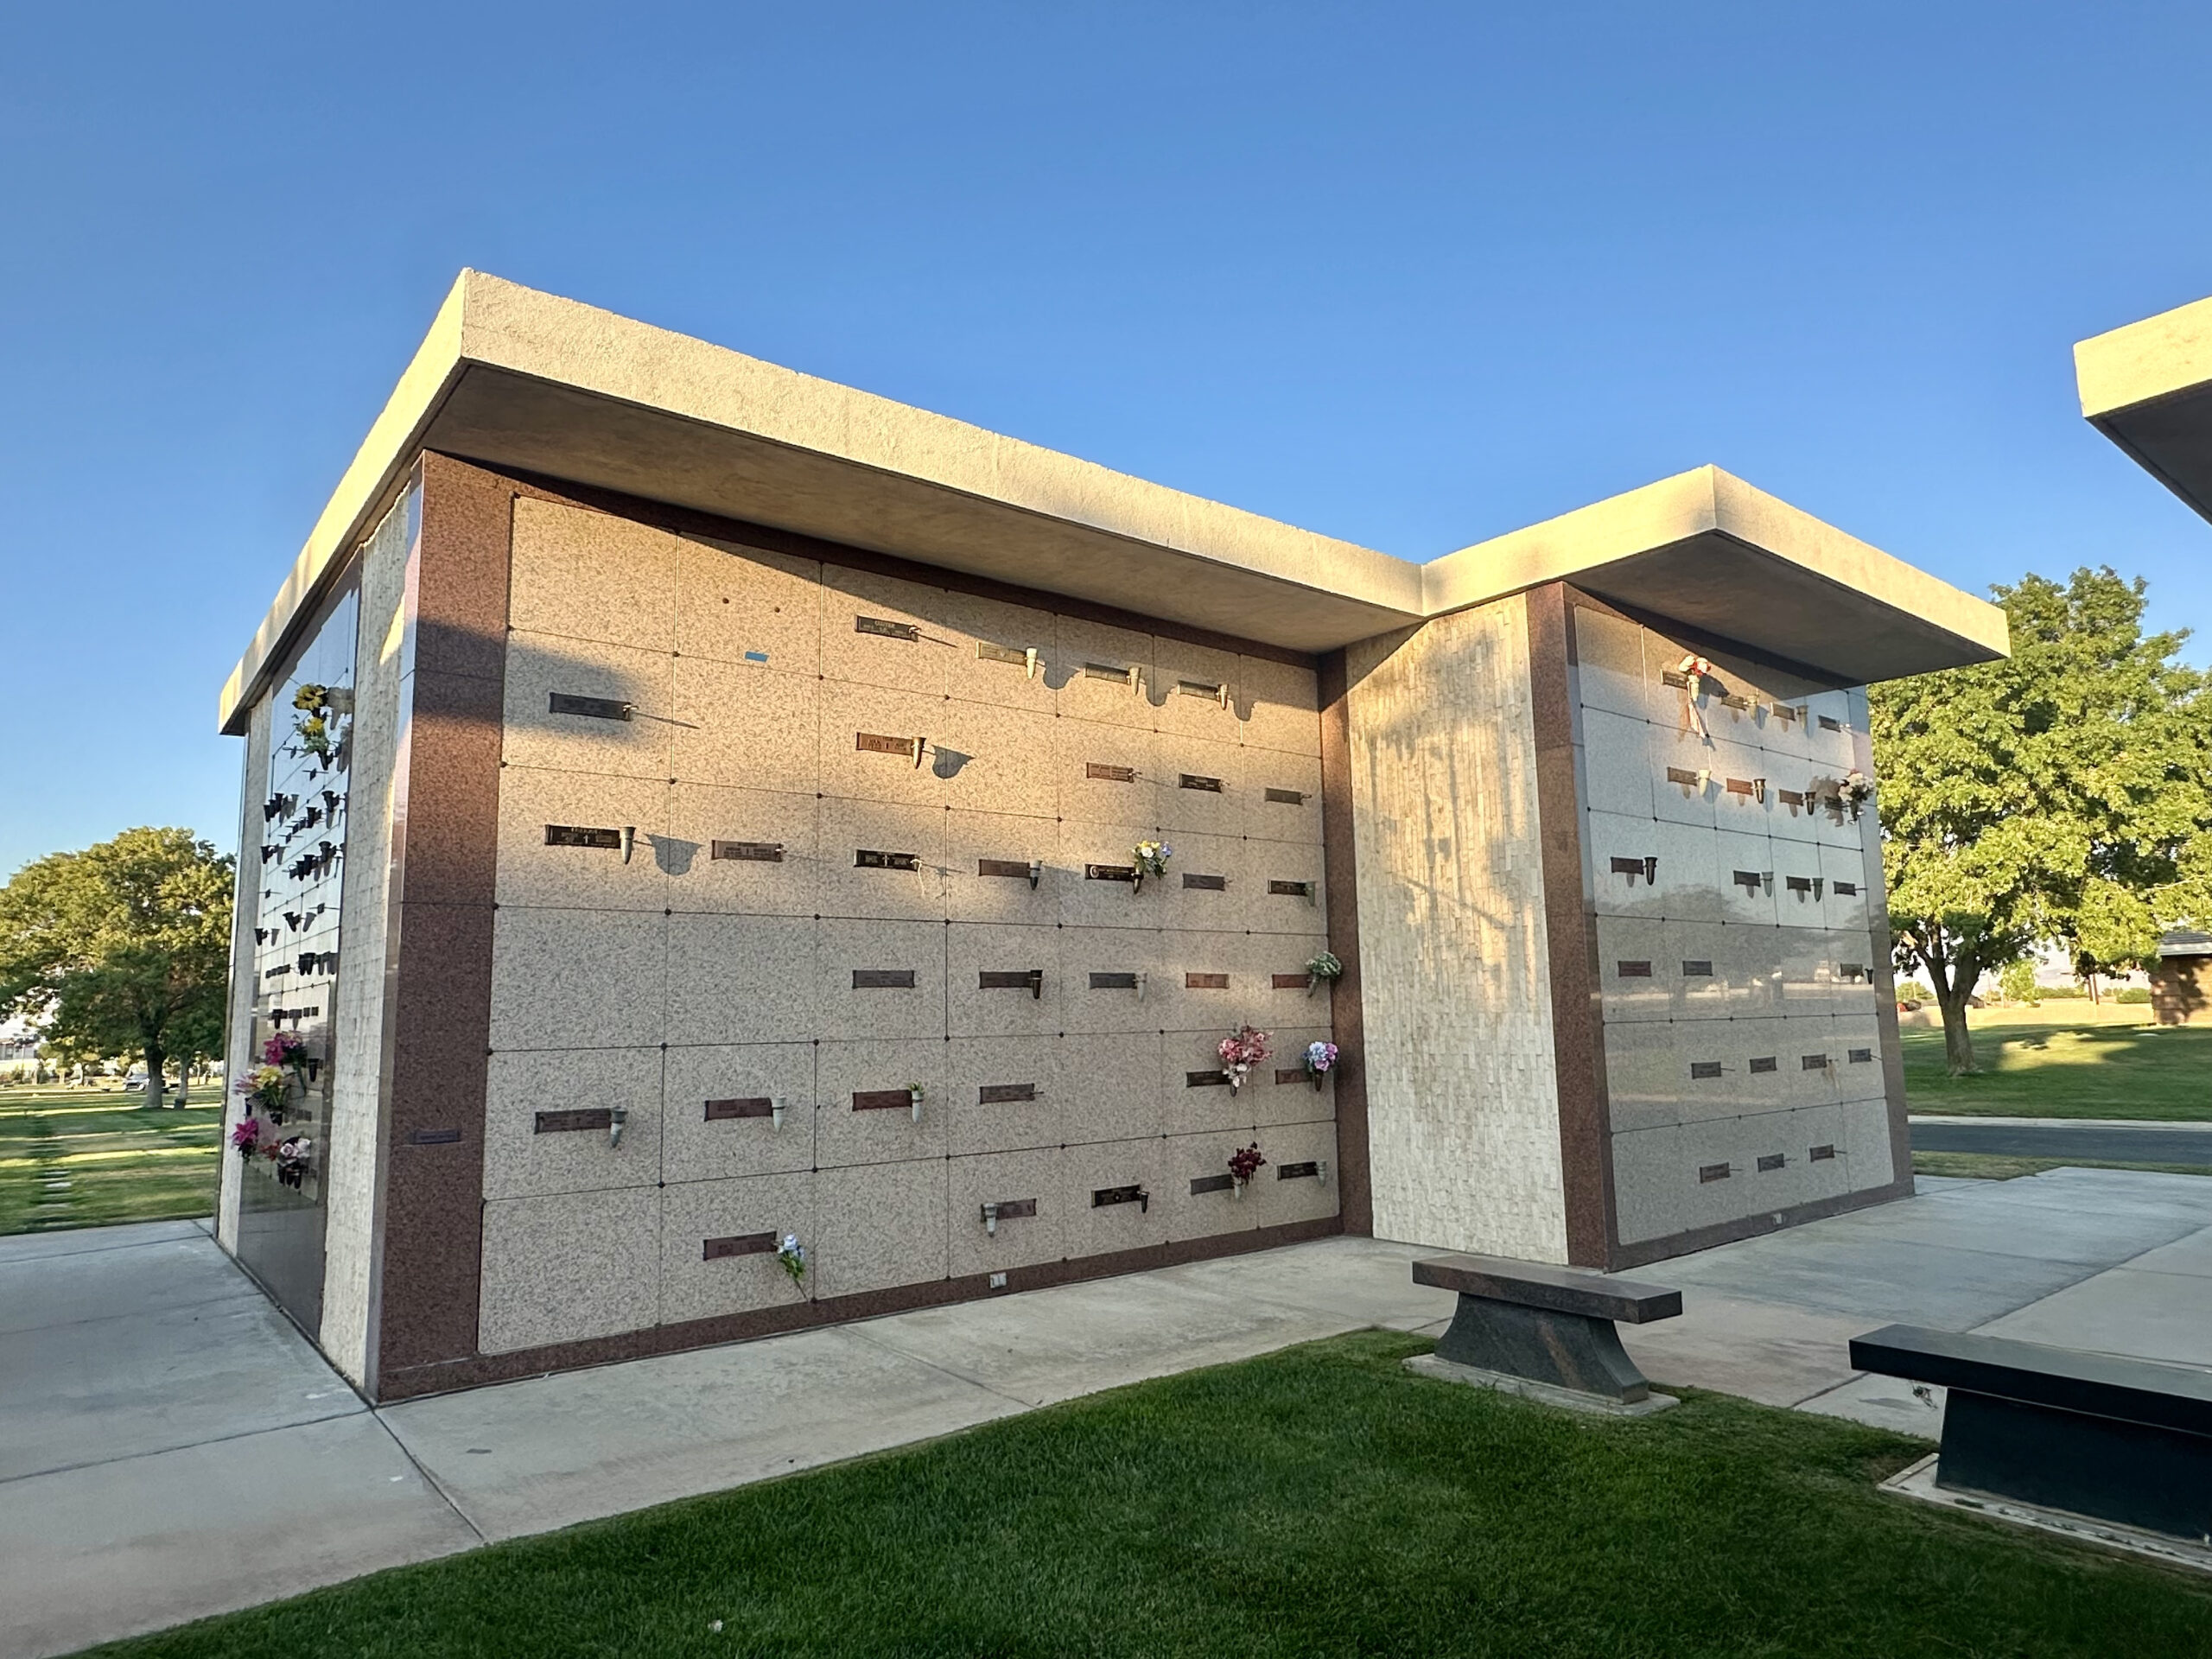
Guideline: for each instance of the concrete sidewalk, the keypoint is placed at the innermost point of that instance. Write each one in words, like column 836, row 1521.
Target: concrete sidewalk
column 170, row 1446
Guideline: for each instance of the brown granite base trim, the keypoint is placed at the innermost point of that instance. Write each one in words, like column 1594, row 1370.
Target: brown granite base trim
column 416, row 1381
column 444, row 825
column 1571, row 937
column 1767, row 1221
column 686, row 521
column 1355, row 1183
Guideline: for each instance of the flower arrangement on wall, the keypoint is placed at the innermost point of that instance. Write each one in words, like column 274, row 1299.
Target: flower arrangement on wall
column 791, row 1256
column 1320, row 1059
column 1858, row 789
column 268, row 1088
column 246, row 1137
column 1242, row 1049
column 1324, row 968
column 1152, row 858
column 1242, row 1165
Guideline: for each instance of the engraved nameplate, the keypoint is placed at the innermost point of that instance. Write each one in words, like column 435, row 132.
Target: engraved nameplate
column 1015, row 1208
column 1712, row 1172
column 758, row 852
column 1031, row 980
column 1862, row 1057
column 1286, row 797
column 560, row 703
column 434, row 1137
column 1829, row 725
column 1211, row 691
column 1110, row 872
column 1693, row 969
column 1291, row 981
column 1846, row 889
column 1749, row 881
column 1298, row 1172
column 1205, row 1079
column 879, row 743
column 575, row 834
column 1207, row 883
column 1764, row 1062
column 1291, row 889
column 883, row 979
column 882, row 1100
column 1740, row 786
column 1107, row 671
column 1790, row 798
column 1212, row 1183
column 1813, row 1063
column 864, row 859
column 1206, row 982
column 888, row 630
column 1633, row 970
column 716, row 1249
column 752, row 1106
column 1104, row 773
column 1735, row 701
column 1798, row 883
column 1106, row 1195
column 1670, row 677
column 1705, row 1068
column 1113, row 981
column 990, row 653
column 1770, row 1161
column 1291, row 1074
column 1676, row 775
column 999, row 1094
column 1012, row 866
column 1191, row 780
column 1821, row 1155
column 588, row 1117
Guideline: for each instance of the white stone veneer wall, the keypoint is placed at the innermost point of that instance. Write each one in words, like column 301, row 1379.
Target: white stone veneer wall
column 350, row 1170
column 238, row 1057
column 1462, row 1096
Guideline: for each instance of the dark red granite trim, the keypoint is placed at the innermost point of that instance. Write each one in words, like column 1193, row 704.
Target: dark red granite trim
column 438, row 1377
column 1355, row 1183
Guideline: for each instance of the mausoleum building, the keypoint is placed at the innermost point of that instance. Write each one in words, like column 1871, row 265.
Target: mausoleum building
column 722, row 852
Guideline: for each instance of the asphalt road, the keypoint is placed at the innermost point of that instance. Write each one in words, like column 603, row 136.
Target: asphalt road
column 2182, row 1144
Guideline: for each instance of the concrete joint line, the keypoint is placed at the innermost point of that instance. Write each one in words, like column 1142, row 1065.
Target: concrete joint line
column 187, row 1446
column 430, row 1478
column 860, row 1330
column 249, row 1295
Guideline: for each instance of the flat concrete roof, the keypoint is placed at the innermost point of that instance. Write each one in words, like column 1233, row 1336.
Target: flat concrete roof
column 525, row 381
column 2148, row 387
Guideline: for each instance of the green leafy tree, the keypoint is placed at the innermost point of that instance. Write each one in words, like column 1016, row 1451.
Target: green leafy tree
column 122, row 948
column 2017, row 981
column 2064, row 793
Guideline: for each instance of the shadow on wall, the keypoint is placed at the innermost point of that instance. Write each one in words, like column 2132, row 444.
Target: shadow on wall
column 2181, row 991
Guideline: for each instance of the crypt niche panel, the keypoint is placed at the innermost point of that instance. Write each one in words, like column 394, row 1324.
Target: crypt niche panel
column 1732, row 865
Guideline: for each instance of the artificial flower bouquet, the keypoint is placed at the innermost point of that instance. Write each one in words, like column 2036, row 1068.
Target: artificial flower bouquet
column 1240, row 1050
column 1321, row 1059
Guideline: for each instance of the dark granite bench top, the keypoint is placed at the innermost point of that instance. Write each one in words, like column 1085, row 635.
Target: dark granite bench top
column 1559, row 1290
column 2059, row 1379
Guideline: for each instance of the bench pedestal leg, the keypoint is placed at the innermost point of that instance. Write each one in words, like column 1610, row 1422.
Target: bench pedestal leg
column 1570, row 1352
column 2157, row 1480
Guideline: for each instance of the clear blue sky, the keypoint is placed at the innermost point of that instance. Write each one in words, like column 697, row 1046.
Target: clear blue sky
column 1407, row 275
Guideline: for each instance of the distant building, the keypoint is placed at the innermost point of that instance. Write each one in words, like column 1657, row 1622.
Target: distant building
column 2180, row 982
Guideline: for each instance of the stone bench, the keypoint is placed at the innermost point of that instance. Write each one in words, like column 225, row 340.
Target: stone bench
column 1531, row 1328
column 2114, row 1439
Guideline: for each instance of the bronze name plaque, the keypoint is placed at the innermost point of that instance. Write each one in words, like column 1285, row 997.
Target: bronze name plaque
column 1712, row 1172
column 1740, row 787
column 1105, row 1195
column 1206, row 982
column 1861, row 1057
column 864, row 859
column 1764, row 1062
column 1212, row 1183
column 1107, row 671
column 1291, row 889
column 1797, row 883
column 1191, row 780
column 1693, row 969
column 1812, row 1063
column 877, row 625
column 1298, row 1172
column 1286, row 797
column 878, row 743
column 1207, row 883
column 1113, row 981
column 1790, row 798
column 1705, row 1069
column 757, row 852
column 577, row 834
column 1205, row 1079
column 1846, row 889
column 560, row 703
column 1291, row 981
column 1291, row 1074
column 1821, row 1155
column 1031, row 980
column 1633, row 970
column 1110, row 872
column 435, row 1137
column 1001, row 1094
column 1749, row 881
column 588, row 1118
column 1015, row 1208
column 1012, row 866
column 1770, row 1160
column 717, row 1249
column 883, row 979
column 1828, row 724
column 750, row 1106
column 1678, row 775
column 882, row 1100
column 1212, row 691
column 1106, row 774
column 990, row 653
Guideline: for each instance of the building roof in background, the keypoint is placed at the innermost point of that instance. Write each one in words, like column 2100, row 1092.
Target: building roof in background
column 2185, row 941
column 524, row 381
column 2148, row 387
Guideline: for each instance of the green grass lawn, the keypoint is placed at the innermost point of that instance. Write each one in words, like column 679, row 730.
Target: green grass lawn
column 2042, row 1070
column 83, row 1157
column 1320, row 1500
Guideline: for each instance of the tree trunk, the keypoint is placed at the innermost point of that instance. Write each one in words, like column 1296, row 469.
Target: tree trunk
column 1958, row 1037
column 154, row 1061
column 184, row 1081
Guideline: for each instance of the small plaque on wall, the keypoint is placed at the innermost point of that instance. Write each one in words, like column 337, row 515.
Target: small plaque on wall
column 1286, row 797
column 752, row 1106
column 866, row 859
column 1099, row 772
column 882, row 1100
column 1106, row 1195
column 1290, row 982
column 1770, row 1161
column 1001, row 1094
column 1205, row 1079
column 716, row 1249
column 1031, row 980
column 756, row 852
column 1009, row 867
column 1298, row 1172
column 1191, row 780
column 1015, row 1208
column 1703, row 1068
column 561, row 702
column 1762, row 1062
column 1113, row 981
column 1291, row 889
column 1291, row 1074
column 1212, row 1183
column 883, row 979
column 879, row 743
column 987, row 652
column 1110, row 872
column 1206, row 982
column 561, row 1122
column 1821, row 1155
column 1697, row 969
column 575, row 834
column 1712, row 1172
column 877, row 625
column 1207, row 883
column 1633, row 970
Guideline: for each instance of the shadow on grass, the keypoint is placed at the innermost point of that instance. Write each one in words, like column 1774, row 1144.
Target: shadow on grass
column 2041, row 1071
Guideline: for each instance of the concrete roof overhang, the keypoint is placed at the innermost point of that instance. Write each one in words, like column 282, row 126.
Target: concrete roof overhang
column 525, row 381
column 2148, row 387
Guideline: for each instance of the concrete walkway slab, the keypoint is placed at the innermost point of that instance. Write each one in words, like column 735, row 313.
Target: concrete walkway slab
column 1768, row 1352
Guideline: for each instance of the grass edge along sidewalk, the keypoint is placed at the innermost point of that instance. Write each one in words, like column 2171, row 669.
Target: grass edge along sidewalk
column 1320, row 1500
column 2047, row 1070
